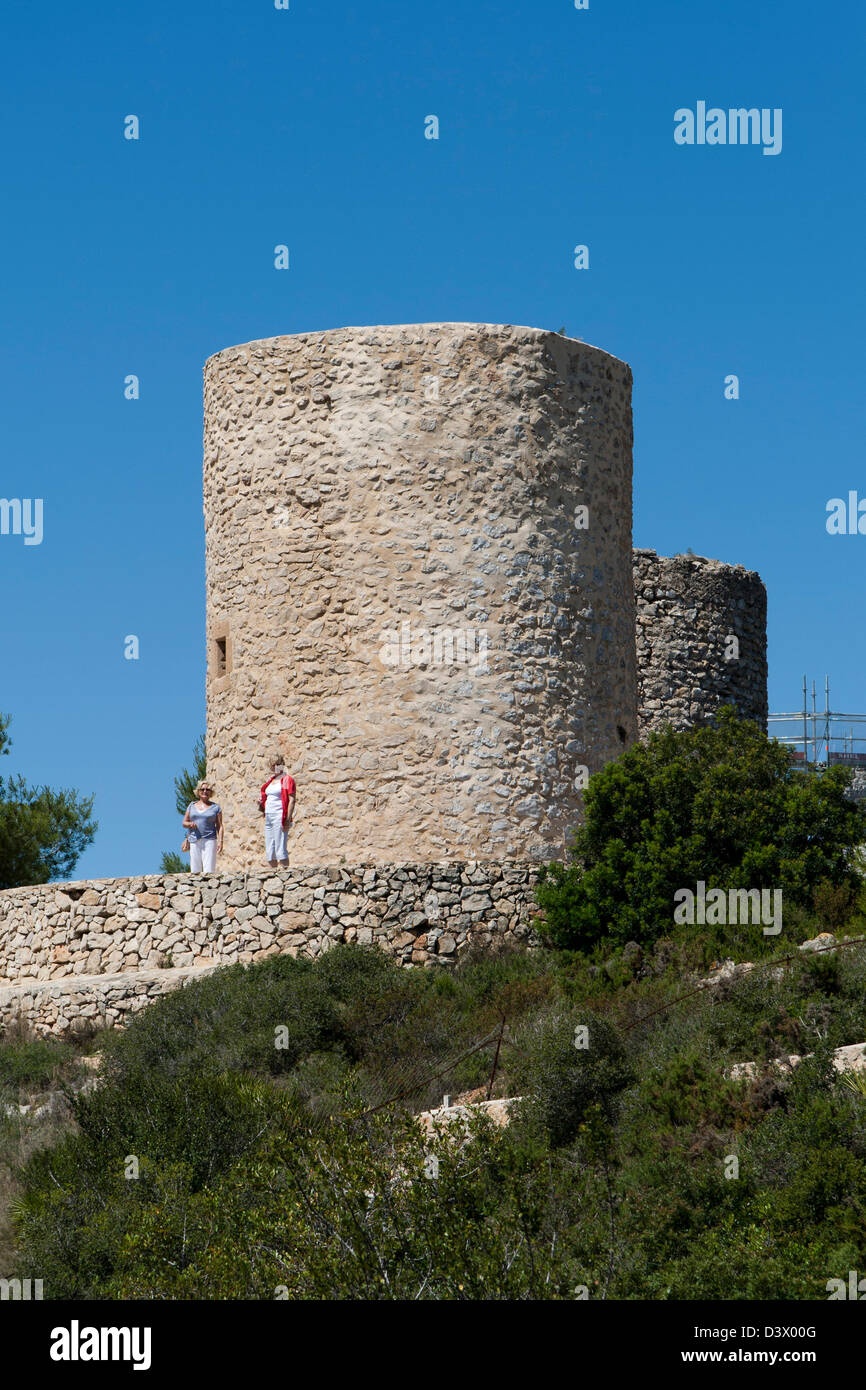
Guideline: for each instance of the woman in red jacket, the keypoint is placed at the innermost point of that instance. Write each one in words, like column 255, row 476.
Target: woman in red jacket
column 277, row 803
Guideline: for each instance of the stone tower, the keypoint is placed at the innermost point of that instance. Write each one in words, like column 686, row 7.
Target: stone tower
column 688, row 610
column 419, row 585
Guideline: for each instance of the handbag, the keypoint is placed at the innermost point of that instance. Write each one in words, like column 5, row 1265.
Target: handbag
column 184, row 849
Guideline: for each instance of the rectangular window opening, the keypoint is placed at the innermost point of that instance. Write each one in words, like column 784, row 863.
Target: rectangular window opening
column 221, row 659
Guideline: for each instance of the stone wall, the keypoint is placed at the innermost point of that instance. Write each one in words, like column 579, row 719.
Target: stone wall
column 687, row 609
column 95, row 950
column 398, row 593
column 79, row 1004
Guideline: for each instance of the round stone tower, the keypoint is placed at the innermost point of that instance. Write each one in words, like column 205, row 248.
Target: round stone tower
column 701, row 640
column 419, row 587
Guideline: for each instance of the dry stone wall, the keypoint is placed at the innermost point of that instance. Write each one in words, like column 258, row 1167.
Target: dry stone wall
column 403, row 594
column 79, row 1004
column 687, row 610
column 97, row 949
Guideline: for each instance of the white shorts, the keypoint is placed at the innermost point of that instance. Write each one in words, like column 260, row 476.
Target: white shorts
column 275, row 838
column 202, row 856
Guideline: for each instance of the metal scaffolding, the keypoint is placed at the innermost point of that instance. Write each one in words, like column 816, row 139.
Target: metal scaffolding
column 828, row 728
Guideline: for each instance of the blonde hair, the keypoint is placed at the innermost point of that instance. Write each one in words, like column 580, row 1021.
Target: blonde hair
column 202, row 784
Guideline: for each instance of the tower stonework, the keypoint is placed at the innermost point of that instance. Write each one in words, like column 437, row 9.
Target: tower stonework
column 688, row 609
column 404, row 593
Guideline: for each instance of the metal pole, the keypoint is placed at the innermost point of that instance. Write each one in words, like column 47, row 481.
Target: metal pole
column 496, row 1059
column 814, row 728
column 805, row 729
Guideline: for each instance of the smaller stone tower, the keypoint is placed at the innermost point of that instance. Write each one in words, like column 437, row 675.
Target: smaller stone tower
column 688, row 611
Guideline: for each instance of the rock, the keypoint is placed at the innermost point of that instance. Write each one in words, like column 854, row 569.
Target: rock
column 851, row 1058
column 149, row 900
column 477, row 902
column 824, row 941
column 727, row 970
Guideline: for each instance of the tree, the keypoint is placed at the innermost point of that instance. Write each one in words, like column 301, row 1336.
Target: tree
column 173, row 863
column 188, row 779
column 184, row 792
column 722, row 804
column 42, row 831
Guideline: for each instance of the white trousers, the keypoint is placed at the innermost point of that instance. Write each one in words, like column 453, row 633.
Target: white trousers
column 275, row 836
column 202, row 856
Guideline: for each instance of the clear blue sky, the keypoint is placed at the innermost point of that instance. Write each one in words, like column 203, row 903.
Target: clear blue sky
column 306, row 127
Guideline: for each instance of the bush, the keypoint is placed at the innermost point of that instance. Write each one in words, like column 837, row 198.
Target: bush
column 720, row 804
column 78, row 1204
column 262, row 1169
column 348, row 1212
column 570, row 1063
column 229, row 1021
column 33, row 1063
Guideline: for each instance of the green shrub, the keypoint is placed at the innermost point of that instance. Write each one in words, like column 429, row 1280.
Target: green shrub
column 33, row 1063
column 78, row 1204
column 261, row 1167
column 570, row 1063
column 720, row 804
column 229, row 1021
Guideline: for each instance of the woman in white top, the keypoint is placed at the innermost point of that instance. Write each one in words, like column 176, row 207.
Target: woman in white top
column 277, row 801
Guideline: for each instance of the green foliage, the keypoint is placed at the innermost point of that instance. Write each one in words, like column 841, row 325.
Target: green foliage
column 719, row 804
column 691, row 1094
column 229, row 1021
column 569, row 1063
column 791, row 1008
column 189, row 777
column 348, row 1212
column 43, row 832
column 264, row 1173
column 32, row 1063
column 834, row 903
column 173, row 863
column 395, row 1027
column 78, row 1204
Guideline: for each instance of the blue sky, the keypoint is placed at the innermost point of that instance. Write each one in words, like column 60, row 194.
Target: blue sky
column 306, row 127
